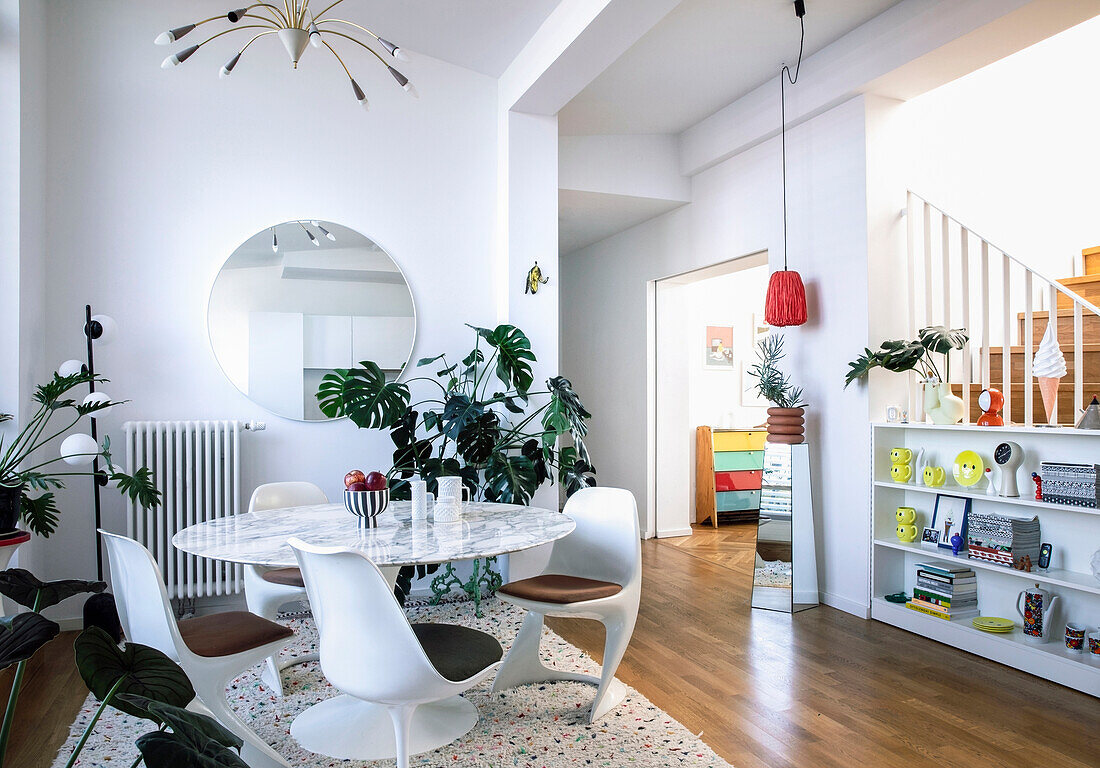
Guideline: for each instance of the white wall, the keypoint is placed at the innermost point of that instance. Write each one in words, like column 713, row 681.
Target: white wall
column 737, row 211
column 1010, row 150
column 155, row 177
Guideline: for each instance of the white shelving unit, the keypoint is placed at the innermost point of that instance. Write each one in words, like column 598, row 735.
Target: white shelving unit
column 1073, row 531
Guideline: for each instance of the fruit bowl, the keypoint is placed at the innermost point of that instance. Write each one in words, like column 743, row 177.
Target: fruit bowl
column 367, row 505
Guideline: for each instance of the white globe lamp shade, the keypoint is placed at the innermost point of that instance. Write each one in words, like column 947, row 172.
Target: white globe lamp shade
column 98, row 397
column 79, row 450
column 69, row 368
column 109, row 326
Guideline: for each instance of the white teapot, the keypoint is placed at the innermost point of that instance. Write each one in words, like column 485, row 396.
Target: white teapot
column 1037, row 611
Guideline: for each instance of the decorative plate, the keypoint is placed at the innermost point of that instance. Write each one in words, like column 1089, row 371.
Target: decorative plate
column 993, row 624
column 969, row 469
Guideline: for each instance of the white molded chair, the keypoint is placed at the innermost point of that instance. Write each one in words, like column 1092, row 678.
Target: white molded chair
column 593, row 573
column 384, row 666
column 268, row 589
column 211, row 649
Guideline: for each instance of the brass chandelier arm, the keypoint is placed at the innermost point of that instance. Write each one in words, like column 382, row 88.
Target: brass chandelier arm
column 360, row 43
column 257, row 37
column 267, row 21
column 350, row 24
column 279, row 18
column 233, row 29
column 342, row 64
column 322, row 13
column 302, row 15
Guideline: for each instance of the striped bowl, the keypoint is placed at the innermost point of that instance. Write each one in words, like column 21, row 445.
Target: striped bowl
column 367, row 505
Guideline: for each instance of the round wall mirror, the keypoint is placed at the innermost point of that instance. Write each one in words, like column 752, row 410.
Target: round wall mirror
column 299, row 299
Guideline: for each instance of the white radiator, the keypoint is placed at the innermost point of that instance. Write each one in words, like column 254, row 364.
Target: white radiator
column 196, row 465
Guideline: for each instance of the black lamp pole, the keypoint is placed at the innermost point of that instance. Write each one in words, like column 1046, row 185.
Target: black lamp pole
column 93, row 329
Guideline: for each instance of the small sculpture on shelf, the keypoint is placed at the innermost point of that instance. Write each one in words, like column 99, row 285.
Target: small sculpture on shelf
column 900, row 468
column 1023, row 564
column 1090, row 416
column 907, row 524
column 991, row 401
column 956, row 544
column 1035, row 478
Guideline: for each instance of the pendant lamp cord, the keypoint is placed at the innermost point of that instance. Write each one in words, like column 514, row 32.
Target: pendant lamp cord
column 784, row 75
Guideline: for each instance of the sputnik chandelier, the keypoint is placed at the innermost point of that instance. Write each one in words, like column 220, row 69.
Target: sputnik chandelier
column 312, row 237
column 297, row 27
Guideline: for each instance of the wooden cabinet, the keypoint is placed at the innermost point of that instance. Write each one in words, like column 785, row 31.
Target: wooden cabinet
column 729, row 466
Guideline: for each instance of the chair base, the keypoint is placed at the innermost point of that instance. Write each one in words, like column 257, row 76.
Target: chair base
column 348, row 728
column 272, row 679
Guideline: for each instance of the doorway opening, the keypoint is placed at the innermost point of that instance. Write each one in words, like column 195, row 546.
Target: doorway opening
column 703, row 328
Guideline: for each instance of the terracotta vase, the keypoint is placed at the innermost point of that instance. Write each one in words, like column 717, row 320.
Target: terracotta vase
column 787, row 426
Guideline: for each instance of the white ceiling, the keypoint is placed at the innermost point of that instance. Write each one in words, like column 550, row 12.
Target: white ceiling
column 704, row 55
column 482, row 35
column 585, row 218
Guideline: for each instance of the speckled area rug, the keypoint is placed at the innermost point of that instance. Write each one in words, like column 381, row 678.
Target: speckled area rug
column 537, row 726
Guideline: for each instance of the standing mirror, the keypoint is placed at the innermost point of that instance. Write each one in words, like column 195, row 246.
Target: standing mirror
column 299, row 299
column 785, row 575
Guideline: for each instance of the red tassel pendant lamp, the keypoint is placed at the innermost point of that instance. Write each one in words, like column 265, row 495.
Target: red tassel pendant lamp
column 785, row 303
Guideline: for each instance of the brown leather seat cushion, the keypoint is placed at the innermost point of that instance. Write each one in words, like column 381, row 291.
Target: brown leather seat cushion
column 457, row 653
column 560, row 589
column 223, row 634
column 290, row 577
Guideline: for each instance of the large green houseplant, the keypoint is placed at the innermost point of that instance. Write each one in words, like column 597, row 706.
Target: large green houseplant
column 479, row 420
column 27, row 479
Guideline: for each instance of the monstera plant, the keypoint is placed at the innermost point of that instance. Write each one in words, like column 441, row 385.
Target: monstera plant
column 479, row 419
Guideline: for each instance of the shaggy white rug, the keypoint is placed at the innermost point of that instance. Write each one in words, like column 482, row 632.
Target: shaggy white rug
column 537, row 726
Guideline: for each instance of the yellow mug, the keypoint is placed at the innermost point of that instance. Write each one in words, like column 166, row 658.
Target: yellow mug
column 906, row 516
column 907, row 533
column 901, row 473
column 935, row 477
column 900, row 455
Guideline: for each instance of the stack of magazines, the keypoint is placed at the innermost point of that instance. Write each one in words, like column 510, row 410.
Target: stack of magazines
column 945, row 591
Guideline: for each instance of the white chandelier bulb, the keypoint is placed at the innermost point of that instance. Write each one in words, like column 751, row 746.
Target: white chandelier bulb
column 400, row 55
column 274, row 242
column 411, row 90
column 97, row 398
column 109, row 328
column 359, row 95
column 324, row 231
column 227, row 68
column 69, row 368
column 79, row 449
column 313, row 239
column 395, row 50
column 314, row 35
column 172, row 35
column 178, row 58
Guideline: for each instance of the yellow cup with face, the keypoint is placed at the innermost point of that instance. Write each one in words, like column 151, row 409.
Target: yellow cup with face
column 900, row 473
column 907, row 533
column 906, row 516
column 935, row 477
column 900, row 455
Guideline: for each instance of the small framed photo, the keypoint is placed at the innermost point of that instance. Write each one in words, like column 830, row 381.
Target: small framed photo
column 930, row 538
column 950, row 517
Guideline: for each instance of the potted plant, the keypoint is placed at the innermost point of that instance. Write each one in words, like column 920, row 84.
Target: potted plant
column 478, row 421
column 787, row 416
column 900, row 356
column 23, row 472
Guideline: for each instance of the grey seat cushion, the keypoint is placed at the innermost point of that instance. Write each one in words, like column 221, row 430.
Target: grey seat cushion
column 457, row 652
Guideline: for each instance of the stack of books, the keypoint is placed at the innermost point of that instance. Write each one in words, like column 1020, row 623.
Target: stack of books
column 945, row 591
column 1002, row 540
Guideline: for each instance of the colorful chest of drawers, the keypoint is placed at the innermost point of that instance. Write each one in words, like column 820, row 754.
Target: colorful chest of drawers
column 729, row 466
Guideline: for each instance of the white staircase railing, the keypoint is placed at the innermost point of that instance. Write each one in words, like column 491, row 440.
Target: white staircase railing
column 959, row 279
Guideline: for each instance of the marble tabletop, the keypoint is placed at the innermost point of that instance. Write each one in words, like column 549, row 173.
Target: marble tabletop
column 485, row 530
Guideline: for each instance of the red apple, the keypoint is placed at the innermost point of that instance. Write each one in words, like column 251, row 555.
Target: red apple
column 355, row 476
column 376, row 481
column 357, row 487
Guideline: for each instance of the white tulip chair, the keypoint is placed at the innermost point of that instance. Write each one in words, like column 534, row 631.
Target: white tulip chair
column 266, row 590
column 593, row 573
column 211, row 649
column 383, row 666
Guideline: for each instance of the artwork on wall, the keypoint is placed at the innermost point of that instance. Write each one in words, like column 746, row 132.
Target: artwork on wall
column 950, row 518
column 719, row 348
column 760, row 329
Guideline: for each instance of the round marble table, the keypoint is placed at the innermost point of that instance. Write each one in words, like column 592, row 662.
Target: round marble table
column 485, row 530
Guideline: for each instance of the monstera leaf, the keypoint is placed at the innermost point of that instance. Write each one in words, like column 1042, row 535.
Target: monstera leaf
column 514, row 355
column 144, row 671
column 939, row 338
column 409, row 453
column 31, row 592
column 478, row 439
column 171, row 750
column 364, row 396
column 192, row 727
column 574, row 473
column 40, row 513
column 23, row 634
column 538, row 453
column 861, row 366
column 566, row 412
column 458, row 412
column 510, row 479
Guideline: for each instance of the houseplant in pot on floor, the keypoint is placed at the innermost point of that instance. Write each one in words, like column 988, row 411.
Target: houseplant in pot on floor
column 786, row 417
